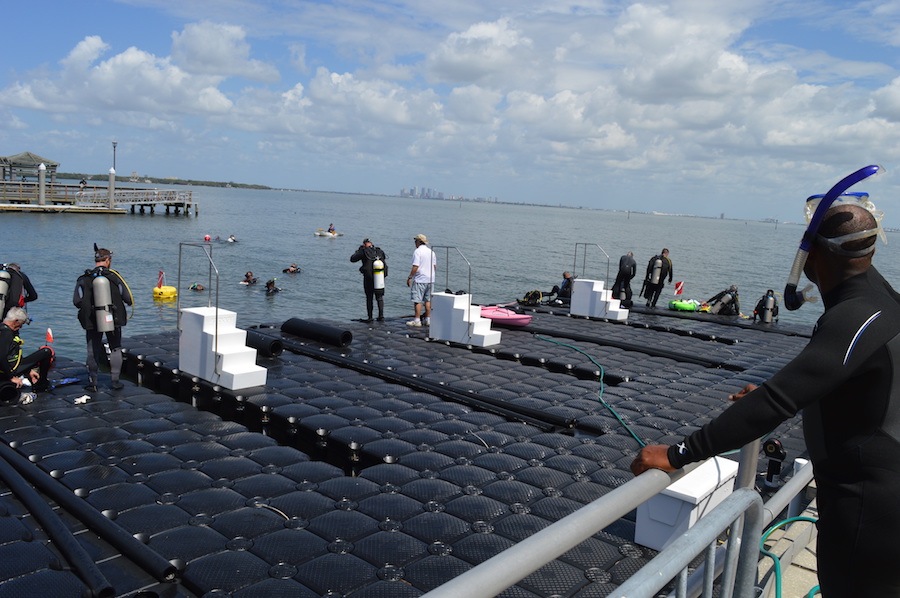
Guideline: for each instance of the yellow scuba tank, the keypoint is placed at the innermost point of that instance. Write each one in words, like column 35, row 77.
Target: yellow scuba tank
column 378, row 271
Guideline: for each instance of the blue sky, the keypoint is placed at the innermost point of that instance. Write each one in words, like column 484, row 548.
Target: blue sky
column 693, row 106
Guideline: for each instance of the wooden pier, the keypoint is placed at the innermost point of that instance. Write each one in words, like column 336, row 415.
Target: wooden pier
column 26, row 196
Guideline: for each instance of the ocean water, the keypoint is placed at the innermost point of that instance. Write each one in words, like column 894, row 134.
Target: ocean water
column 497, row 251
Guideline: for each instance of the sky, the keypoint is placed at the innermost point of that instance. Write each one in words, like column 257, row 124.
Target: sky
column 688, row 106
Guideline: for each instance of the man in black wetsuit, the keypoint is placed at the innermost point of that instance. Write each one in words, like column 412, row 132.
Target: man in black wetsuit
column 19, row 288
column 622, row 287
column 658, row 268
column 845, row 381
column 14, row 368
column 367, row 253
column 89, row 312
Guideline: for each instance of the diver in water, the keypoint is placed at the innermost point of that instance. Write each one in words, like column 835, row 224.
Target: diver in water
column 292, row 269
column 271, row 289
column 766, row 308
column 197, row 287
column 249, row 278
column 726, row 303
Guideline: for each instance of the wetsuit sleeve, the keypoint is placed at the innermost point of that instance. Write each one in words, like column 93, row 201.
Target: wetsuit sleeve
column 357, row 256
column 6, row 341
column 671, row 269
column 30, row 293
column 823, row 365
column 123, row 290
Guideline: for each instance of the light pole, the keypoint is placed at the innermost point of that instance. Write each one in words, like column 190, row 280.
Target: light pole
column 115, row 143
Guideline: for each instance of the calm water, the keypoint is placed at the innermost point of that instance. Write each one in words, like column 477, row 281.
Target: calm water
column 512, row 250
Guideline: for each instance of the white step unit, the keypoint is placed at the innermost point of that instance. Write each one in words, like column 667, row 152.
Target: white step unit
column 230, row 363
column 589, row 298
column 677, row 508
column 455, row 319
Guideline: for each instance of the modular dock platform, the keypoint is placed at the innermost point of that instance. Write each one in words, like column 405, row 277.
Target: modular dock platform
column 378, row 469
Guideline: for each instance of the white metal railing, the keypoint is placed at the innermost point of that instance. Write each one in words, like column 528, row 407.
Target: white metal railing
column 135, row 196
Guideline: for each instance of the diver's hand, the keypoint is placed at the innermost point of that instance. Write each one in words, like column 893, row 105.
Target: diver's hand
column 744, row 391
column 652, row 457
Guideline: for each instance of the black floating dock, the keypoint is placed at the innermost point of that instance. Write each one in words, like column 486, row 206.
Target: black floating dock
column 382, row 468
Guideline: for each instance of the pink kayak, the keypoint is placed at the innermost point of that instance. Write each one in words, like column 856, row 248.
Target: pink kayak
column 505, row 316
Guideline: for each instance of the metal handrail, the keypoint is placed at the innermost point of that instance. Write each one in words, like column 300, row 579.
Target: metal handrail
column 743, row 504
column 738, row 558
column 503, row 570
column 584, row 247
column 447, row 249
column 207, row 250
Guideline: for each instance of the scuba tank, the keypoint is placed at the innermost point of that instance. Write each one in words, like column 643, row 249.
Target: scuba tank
column 103, row 308
column 4, row 288
column 378, row 272
column 766, row 307
column 655, row 275
column 721, row 303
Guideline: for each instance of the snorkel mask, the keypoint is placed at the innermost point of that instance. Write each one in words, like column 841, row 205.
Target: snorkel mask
column 816, row 206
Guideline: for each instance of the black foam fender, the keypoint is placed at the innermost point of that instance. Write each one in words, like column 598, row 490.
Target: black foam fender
column 317, row 332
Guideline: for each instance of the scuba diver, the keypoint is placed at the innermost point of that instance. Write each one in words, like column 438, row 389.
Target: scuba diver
column 374, row 270
column 563, row 290
column 197, row 287
column 622, row 287
column 15, row 288
column 658, row 268
column 726, row 303
column 16, row 370
column 844, row 384
column 101, row 295
column 271, row 289
column 766, row 308
column 292, row 269
column 249, row 278
column 231, row 239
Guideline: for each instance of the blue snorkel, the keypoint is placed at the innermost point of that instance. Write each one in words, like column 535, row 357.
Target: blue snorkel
column 793, row 298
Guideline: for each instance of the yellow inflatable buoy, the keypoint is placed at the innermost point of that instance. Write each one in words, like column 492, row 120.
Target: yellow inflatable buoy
column 164, row 292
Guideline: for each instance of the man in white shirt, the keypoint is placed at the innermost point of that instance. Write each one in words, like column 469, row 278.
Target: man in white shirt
column 421, row 279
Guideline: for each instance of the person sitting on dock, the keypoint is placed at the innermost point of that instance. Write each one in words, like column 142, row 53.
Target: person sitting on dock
column 725, row 303
column 563, row 290
column 249, row 278
column 292, row 269
column 14, row 368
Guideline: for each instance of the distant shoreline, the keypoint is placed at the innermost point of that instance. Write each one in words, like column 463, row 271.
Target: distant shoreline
column 220, row 184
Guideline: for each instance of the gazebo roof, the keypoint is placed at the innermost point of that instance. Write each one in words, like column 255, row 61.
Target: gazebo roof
column 28, row 160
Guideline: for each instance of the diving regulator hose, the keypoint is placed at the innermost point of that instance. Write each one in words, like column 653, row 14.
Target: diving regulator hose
column 793, row 298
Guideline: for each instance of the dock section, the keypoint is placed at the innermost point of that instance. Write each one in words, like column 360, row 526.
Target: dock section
column 27, row 196
column 381, row 468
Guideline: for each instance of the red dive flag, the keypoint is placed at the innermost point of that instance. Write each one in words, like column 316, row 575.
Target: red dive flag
column 162, row 277
column 679, row 287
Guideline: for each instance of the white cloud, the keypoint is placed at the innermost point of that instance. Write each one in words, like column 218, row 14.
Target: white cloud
column 218, row 49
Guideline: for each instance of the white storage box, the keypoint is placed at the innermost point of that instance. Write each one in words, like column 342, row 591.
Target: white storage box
column 674, row 510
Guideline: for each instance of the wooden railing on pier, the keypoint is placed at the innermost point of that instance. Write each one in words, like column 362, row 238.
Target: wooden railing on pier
column 27, row 193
